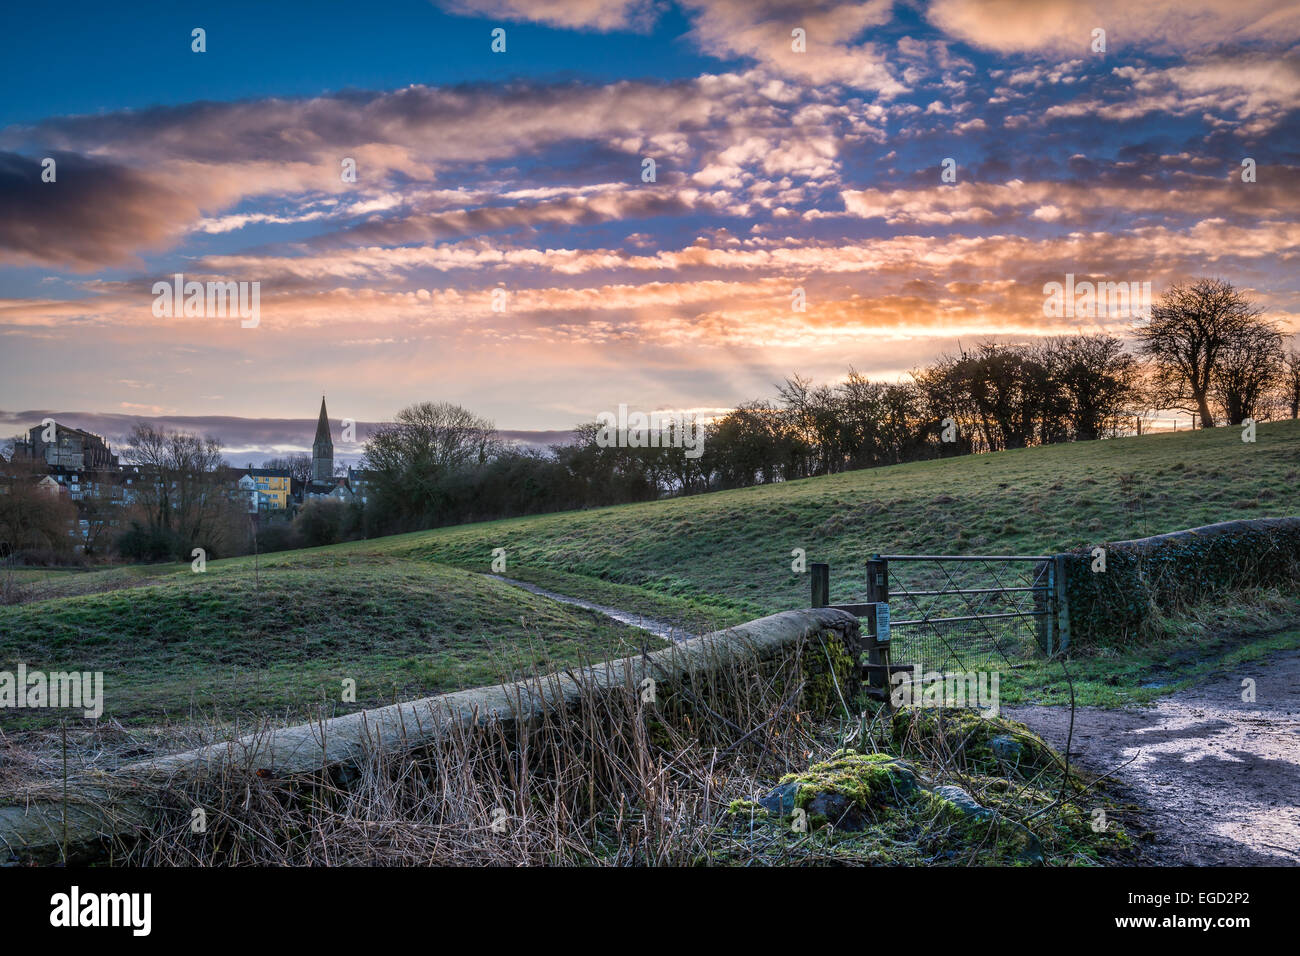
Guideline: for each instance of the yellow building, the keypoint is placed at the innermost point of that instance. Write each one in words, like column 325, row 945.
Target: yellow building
column 270, row 486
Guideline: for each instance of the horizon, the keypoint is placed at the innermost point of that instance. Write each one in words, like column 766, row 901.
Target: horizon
column 261, row 438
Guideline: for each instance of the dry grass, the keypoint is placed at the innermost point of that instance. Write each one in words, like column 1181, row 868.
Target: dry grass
column 12, row 588
column 613, row 780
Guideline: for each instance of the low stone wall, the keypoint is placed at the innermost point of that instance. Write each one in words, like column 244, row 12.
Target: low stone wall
column 825, row 642
column 1152, row 576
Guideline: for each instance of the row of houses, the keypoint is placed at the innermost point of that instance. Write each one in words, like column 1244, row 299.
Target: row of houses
column 80, row 465
column 275, row 490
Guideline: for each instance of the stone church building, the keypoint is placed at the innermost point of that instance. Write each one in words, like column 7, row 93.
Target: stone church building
column 324, row 483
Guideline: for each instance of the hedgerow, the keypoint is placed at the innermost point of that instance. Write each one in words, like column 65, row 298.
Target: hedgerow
column 1151, row 577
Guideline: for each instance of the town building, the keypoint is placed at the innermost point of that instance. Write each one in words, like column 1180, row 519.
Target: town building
column 322, row 449
column 269, row 489
column 359, row 482
column 63, row 447
column 80, row 466
column 324, row 483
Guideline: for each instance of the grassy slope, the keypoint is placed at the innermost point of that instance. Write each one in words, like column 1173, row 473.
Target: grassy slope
column 232, row 641
column 717, row 559
column 730, row 552
column 393, row 613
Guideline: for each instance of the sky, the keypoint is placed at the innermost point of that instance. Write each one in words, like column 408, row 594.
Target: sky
column 915, row 176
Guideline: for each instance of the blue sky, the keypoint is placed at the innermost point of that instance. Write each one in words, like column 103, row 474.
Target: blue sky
column 92, row 57
column 776, row 170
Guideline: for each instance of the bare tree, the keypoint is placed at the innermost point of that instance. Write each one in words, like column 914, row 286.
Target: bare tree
column 1098, row 379
column 1191, row 327
column 411, row 458
column 298, row 466
column 32, row 517
column 100, row 511
column 1248, row 372
column 813, row 417
column 180, row 488
column 1002, row 396
column 1291, row 381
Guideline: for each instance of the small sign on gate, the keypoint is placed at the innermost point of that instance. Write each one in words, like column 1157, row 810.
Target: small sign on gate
column 882, row 623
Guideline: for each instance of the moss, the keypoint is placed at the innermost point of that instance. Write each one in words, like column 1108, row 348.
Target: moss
column 746, row 808
column 877, row 809
column 869, row 781
column 989, row 832
column 968, row 737
column 924, row 828
column 1147, row 578
column 831, row 674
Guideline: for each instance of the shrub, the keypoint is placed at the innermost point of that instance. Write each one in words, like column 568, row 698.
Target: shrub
column 321, row 521
column 277, row 536
column 149, row 544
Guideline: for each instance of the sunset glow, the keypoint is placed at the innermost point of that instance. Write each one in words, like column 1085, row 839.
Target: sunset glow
column 525, row 171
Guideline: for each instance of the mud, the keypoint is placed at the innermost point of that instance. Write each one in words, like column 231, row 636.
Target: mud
column 1216, row 778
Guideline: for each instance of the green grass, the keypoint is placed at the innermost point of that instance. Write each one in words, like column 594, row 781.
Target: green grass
column 729, row 552
column 231, row 642
column 1216, row 637
column 412, row 614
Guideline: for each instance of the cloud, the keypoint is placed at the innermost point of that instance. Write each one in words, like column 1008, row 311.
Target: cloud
column 697, row 288
column 1083, row 202
column 762, row 30
column 758, row 30
column 816, row 170
column 1252, row 92
column 613, row 204
column 1065, row 26
column 95, row 212
column 161, row 172
column 604, row 15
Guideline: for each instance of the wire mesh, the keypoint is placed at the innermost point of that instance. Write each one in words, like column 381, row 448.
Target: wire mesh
column 958, row 614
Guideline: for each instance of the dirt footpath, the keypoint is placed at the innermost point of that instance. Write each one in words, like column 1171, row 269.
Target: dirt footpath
column 1218, row 778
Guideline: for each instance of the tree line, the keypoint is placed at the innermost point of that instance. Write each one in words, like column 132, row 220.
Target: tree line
column 1206, row 351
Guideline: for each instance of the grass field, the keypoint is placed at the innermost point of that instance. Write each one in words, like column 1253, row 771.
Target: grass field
column 279, row 640
column 729, row 552
column 412, row 614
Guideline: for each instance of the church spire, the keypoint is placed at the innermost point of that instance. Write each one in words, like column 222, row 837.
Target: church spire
column 322, row 449
column 323, row 425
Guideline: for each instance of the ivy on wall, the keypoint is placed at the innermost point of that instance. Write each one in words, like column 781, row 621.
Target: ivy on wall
column 1147, row 578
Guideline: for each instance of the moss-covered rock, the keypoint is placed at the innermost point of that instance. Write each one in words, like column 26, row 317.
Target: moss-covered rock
column 877, row 810
column 975, row 743
column 979, row 824
column 850, row 789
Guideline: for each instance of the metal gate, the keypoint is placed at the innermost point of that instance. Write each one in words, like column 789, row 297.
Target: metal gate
column 962, row 613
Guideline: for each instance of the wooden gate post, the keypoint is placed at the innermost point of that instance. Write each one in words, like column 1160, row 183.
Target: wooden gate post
column 820, row 576
column 877, row 652
column 877, row 580
column 1062, row 602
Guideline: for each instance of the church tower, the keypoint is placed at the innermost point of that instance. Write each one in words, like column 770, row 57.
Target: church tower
column 322, row 449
